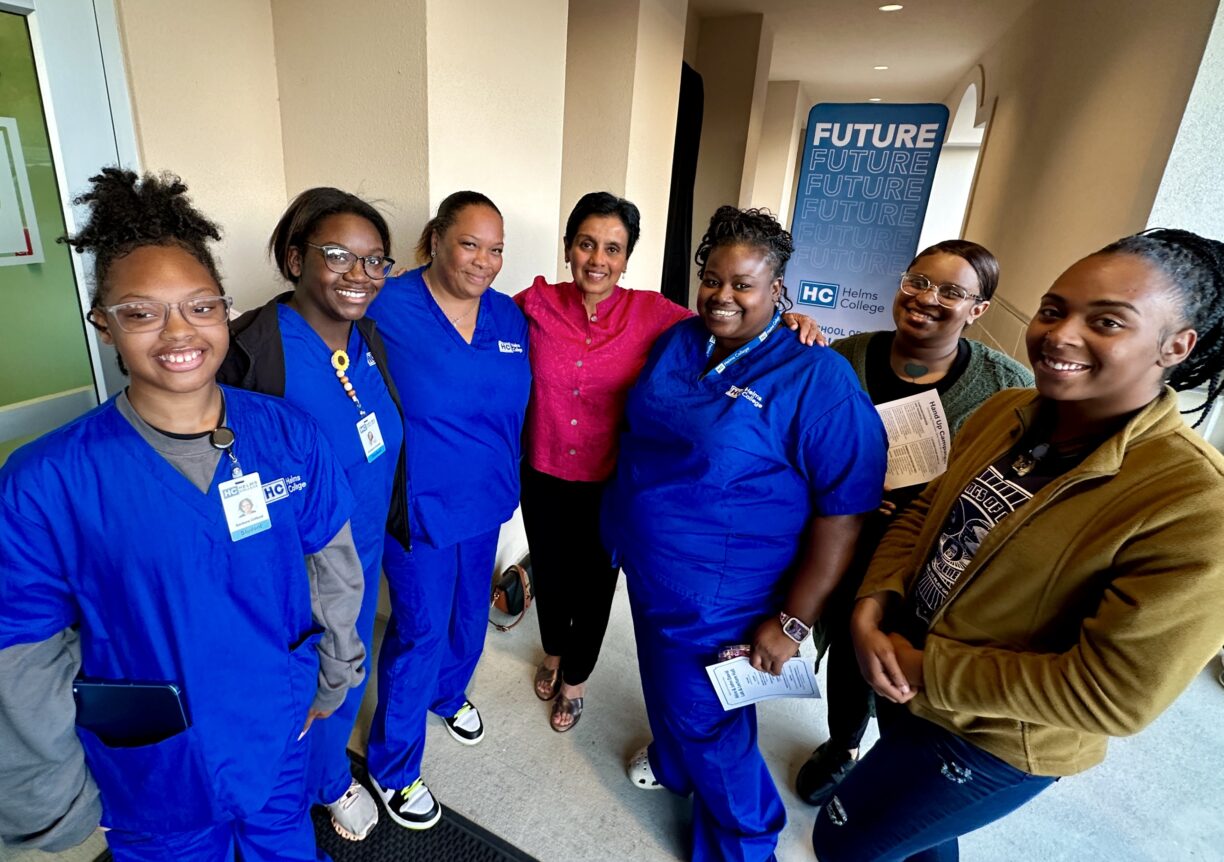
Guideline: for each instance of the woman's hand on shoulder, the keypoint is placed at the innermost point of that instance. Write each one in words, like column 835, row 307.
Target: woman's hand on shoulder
column 771, row 648
column 807, row 328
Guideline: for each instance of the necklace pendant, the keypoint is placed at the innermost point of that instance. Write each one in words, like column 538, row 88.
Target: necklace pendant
column 1023, row 465
column 340, row 361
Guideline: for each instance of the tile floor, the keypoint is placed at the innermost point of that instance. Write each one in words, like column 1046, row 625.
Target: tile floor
column 560, row 797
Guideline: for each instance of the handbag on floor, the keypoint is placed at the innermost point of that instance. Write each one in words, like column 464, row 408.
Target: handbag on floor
column 511, row 595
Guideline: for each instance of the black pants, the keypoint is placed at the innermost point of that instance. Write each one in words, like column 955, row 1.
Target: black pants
column 573, row 574
column 847, row 694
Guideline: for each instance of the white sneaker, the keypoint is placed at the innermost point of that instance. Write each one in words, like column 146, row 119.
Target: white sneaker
column 465, row 725
column 640, row 773
column 355, row 813
column 413, row 807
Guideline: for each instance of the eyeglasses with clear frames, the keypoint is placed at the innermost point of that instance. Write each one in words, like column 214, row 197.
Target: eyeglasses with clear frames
column 947, row 295
column 148, row 315
column 340, row 261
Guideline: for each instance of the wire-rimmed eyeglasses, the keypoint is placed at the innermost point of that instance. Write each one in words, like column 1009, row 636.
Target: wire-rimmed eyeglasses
column 947, row 294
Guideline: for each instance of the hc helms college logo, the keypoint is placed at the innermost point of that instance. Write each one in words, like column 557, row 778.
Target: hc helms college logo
column 822, row 294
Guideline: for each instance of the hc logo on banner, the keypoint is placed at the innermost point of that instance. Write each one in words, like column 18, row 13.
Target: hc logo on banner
column 818, row 293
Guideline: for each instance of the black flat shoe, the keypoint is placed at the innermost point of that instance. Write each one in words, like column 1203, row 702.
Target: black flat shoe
column 825, row 769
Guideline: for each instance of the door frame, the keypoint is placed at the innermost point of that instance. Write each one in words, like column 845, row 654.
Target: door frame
column 82, row 79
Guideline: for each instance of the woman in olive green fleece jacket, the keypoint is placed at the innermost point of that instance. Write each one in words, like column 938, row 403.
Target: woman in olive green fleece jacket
column 1061, row 583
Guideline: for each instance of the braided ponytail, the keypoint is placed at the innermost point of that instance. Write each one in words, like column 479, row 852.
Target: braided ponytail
column 1195, row 266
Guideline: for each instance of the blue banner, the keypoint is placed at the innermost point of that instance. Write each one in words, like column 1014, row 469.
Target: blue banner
column 862, row 198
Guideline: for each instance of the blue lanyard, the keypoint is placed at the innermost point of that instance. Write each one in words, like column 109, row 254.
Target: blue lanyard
column 743, row 349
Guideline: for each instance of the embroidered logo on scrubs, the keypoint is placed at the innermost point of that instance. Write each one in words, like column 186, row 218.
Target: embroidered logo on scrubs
column 509, row 347
column 370, row 359
column 279, row 489
column 748, row 394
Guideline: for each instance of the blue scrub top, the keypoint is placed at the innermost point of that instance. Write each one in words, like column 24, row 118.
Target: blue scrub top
column 463, row 407
column 99, row 530
column 721, row 473
column 312, row 385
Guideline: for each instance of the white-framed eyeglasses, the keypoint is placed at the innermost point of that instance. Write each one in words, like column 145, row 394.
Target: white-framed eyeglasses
column 947, row 294
column 340, row 261
column 149, row 315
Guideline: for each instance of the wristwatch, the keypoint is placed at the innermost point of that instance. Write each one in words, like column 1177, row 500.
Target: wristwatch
column 793, row 627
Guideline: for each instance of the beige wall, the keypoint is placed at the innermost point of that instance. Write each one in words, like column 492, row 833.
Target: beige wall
column 621, row 91
column 1189, row 195
column 773, row 181
column 353, row 115
column 652, row 131
column 203, row 84
column 600, row 69
column 496, row 112
column 1088, row 97
column 733, row 59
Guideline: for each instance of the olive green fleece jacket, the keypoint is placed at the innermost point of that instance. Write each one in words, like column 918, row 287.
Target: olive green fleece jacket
column 1084, row 613
column 986, row 373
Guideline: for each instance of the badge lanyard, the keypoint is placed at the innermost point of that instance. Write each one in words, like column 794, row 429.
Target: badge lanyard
column 368, row 431
column 743, row 349
column 242, row 497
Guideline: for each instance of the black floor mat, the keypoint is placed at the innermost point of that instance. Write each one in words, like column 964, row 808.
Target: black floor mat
column 454, row 839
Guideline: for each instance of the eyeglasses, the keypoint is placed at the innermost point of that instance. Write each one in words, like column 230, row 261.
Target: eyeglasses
column 947, row 295
column 148, row 315
column 340, row 260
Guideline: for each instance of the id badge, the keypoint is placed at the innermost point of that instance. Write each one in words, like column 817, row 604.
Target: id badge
column 246, row 511
column 371, row 437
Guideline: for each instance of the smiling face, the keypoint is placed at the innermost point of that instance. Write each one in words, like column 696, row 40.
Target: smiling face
column 178, row 358
column 738, row 293
column 921, row 319
column 598, row 255
column 1105, row 334
column 338, row 296
column 468, row 256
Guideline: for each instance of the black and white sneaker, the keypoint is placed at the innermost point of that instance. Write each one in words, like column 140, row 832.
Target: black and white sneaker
column 413, row 807
column 465, row 725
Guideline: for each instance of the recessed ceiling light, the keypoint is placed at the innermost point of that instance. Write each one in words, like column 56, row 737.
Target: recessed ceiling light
column 880, row 68
column 873, row 100
column 891, row 7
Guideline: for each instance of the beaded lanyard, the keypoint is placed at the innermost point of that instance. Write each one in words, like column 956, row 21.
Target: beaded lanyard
column 340, row 362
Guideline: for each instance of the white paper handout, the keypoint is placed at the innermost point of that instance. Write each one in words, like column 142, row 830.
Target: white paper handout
column 917, row 438
column 739, row 684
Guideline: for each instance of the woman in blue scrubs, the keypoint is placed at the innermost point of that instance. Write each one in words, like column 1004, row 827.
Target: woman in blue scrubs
column 182, row 533
column 747, row 464
column 314, row 347
column 458, row 354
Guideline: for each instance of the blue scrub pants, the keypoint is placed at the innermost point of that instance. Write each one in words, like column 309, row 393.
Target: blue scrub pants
column 439, row 616
column 918, row 789
column 328, row 775
column 698, row 747
column 281, row 831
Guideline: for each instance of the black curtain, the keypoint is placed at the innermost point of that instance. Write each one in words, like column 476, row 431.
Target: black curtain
column 677, row 264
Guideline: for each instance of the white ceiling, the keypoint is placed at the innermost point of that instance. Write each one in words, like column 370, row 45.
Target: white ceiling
column 831, row 45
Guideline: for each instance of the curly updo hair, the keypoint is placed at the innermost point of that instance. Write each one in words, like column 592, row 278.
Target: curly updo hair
column 752, row 227
column 128, row 211
column 1194, row 266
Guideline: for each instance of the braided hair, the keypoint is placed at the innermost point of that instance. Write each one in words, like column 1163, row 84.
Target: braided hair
column 1194, row 266
column 127, row 212
column 754, row 227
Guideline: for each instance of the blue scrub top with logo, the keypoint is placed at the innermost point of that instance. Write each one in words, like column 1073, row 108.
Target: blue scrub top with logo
column 463, row 407
column 99, row 530
column 720, row 473
column 312, row 385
